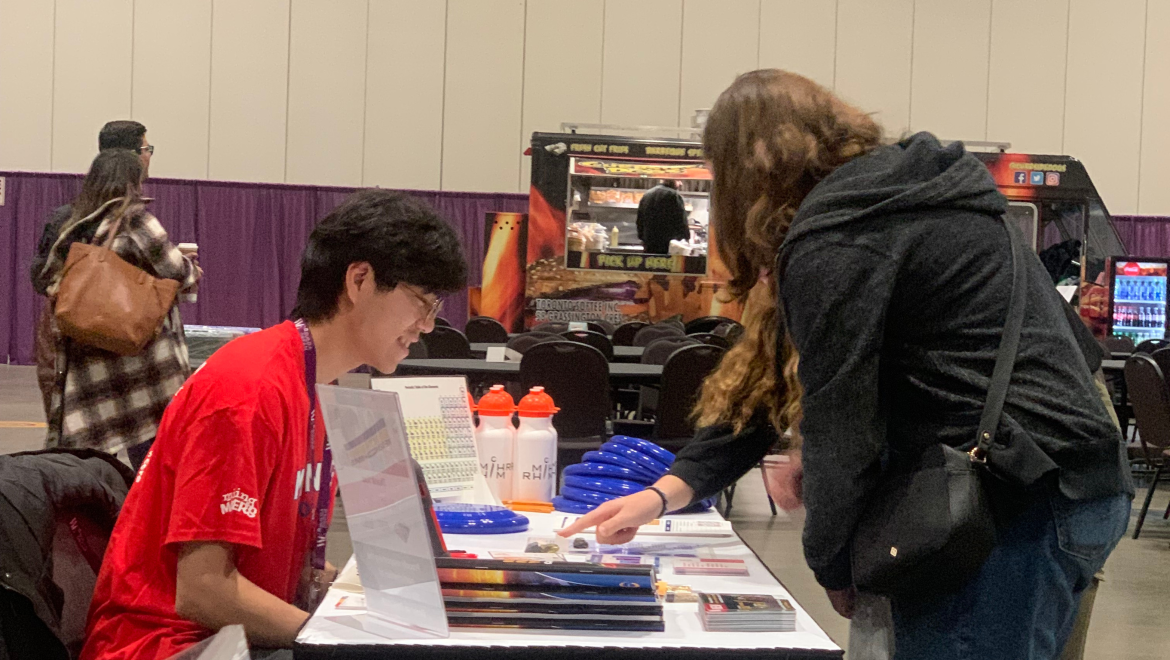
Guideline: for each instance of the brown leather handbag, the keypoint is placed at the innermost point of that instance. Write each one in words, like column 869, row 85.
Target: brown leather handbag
column 106, row 302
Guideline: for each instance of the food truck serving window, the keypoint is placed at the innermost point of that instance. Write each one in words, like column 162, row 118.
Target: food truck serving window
column 638, row 216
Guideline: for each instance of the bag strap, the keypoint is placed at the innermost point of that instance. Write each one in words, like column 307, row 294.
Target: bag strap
column 117, row 226
column 1005, row 360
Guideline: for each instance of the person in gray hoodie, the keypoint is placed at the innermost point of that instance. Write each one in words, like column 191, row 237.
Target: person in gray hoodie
column 892, row 269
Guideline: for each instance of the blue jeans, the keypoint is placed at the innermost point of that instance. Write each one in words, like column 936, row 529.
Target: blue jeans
column 1023, row 601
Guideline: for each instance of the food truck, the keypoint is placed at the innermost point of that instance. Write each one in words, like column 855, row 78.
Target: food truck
column 577, row 254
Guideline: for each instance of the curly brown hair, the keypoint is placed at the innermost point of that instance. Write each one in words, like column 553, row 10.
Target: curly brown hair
column 770, row 138
column 745, row 380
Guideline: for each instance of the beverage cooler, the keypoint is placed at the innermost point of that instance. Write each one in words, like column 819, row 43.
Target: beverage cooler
column 1137, row 298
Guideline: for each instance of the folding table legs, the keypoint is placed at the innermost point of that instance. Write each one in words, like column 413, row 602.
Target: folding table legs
column 728, row 495
column 1146, row 507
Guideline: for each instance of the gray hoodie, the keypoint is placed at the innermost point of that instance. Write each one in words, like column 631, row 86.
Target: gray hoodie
column 895, row 280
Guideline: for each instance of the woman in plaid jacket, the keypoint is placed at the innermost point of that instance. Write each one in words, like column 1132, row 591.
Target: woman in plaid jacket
column 103, row 400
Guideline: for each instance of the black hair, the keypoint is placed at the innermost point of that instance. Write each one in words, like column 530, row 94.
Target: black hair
column 121, row 134
column 403, row 239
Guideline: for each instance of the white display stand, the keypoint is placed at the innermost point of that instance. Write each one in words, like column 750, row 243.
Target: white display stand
column 332, row 631
column 385, row 513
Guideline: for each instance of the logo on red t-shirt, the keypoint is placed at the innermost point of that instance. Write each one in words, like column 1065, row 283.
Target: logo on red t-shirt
column 239, row 502
column 308, row 479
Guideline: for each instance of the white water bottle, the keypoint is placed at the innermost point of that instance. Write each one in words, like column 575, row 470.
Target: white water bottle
column 535, row 474
column 495, row 438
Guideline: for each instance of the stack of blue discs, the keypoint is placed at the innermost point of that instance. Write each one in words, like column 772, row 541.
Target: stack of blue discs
column 479, row 519
column 623, row 466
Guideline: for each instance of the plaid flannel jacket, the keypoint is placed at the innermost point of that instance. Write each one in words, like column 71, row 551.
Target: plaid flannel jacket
column 107, row 401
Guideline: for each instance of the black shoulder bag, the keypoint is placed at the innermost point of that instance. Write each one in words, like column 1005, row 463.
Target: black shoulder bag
column 930, row 527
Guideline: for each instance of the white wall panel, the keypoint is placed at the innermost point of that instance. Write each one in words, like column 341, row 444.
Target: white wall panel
column 1103, row 101
column 172, row 83
column 404, row 94
column 562, row 69
column 721, row 39
column 429, row 94
column 640, row 75
column 91, row 78
column 326, row 92
column 1025, row 91
column 485, row 77
column 799, row 36
column 249, row 90
column 873, row 58
column 1154, row 194
column 26, row 85
column 948, row 92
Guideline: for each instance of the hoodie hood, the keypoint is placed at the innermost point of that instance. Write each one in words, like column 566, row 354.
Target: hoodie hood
column 915, row 175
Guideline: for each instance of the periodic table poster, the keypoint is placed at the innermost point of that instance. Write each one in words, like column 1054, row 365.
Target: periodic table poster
column 439, row 430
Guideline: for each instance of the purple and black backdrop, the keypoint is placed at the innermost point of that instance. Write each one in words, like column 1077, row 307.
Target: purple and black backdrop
column 1144, row 235
column 250, row 240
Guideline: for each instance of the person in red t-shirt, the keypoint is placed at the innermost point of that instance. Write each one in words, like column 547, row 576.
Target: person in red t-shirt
column 219, row 526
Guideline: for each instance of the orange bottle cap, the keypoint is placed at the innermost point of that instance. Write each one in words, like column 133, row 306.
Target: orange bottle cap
column 537, row 403
column 530, row 506
column 497, row 403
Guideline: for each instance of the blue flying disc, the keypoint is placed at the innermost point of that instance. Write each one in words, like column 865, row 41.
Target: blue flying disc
column 621, row 461
column 569, row 506
column 605, row 470
column 479, row 519
column 696, row 507
column 586, row 496
column 617, row 487
column 646, row 447
column 647, row 462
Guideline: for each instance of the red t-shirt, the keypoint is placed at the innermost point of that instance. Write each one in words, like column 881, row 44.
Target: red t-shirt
column 228, row 465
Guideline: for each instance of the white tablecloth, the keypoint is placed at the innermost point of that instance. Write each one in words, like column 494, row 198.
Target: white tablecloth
column 332, row 627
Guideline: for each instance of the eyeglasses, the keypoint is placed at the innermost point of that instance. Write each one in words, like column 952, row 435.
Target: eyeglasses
column 148, row 149
column 432, row 308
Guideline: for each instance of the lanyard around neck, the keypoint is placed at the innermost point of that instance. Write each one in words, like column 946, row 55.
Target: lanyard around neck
column 326, row 473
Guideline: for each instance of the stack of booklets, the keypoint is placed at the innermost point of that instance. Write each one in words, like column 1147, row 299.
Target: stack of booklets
column 746, row 613
column 514, row 593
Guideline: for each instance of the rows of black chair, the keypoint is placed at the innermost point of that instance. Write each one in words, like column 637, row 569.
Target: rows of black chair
column 573, row 367
column 1147, row 379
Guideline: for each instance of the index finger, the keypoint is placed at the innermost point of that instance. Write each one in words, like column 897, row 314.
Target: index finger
column 591, row 519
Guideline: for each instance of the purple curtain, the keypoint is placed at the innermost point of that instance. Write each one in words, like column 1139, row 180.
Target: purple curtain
column 1144, row 235
column 29, row 199
column 250, row 240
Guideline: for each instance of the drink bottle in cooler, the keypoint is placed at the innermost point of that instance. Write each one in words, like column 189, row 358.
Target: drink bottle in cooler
column 535, row 474
column 495, row 440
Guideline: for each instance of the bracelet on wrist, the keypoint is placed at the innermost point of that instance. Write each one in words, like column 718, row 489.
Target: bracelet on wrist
column 662, row 496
